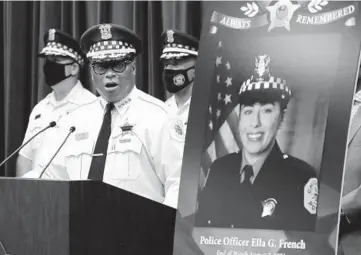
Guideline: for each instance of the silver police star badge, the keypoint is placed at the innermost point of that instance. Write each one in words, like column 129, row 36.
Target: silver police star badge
column 269, row 206
column 281, row 14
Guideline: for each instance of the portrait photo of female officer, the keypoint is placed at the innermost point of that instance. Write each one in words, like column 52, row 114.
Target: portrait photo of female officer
column 267, row 130
column 260, row 186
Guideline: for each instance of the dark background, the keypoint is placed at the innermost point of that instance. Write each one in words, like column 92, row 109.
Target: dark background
column 23, row 25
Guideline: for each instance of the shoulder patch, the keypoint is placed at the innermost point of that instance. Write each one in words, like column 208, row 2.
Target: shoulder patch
column 177, row 130
column 310, row 195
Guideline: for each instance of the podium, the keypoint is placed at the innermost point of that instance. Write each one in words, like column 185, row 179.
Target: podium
column 42, row 217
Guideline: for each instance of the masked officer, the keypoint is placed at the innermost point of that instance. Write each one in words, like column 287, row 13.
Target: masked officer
column 179, row 55
column 260, row 187
column 117, row 136
column 63, row 61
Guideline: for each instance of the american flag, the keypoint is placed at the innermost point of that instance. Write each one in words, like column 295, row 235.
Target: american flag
column 221, row 136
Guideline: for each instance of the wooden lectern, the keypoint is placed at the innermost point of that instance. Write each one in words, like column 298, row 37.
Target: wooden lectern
column 41, row 217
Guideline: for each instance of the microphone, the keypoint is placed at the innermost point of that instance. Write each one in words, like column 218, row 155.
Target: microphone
column 71, row 130
column 51, row 124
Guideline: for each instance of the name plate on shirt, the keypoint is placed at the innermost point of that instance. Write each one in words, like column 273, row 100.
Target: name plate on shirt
column 125, row 140
column 81, row 136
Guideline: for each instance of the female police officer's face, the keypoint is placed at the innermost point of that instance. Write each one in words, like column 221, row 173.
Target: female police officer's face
column 258, row 126
column 113, row 80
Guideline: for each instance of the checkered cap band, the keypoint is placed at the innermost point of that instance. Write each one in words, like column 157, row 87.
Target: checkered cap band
column 58, row 49
column 110, row 50
column 273, row 84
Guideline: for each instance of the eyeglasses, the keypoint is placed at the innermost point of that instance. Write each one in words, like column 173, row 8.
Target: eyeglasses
column 118, row 66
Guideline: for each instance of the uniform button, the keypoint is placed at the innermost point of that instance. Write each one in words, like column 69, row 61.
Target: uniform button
column 285, row 156
column 232, row 226
column 209, row 222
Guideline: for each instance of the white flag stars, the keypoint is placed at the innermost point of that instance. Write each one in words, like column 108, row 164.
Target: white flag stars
column 229, row 81
column 228, row 65
column 227, row 99
column 218, row 114
column 218, row 61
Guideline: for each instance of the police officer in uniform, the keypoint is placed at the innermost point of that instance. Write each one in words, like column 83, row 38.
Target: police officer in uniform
column 180, row 51
column 260, row 187
column 63, row 60
column 117, row 136
column 178, row 56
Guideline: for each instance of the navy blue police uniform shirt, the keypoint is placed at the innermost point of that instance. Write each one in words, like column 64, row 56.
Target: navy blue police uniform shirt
column 288, row 181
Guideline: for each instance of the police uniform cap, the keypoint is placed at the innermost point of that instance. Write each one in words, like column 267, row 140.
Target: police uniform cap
column 58, row 43
column 177, row 45
column 262, row 87
column 110, row 42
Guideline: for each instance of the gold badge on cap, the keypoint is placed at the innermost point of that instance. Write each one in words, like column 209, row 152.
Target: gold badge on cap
column 105, row 32
column 262, row 67
column 269, row 206
column 170, row 38
column 51, row 35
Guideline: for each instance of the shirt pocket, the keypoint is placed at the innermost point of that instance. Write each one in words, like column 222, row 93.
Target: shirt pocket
column 78, row 157
column 125, row 158
column 35, row 127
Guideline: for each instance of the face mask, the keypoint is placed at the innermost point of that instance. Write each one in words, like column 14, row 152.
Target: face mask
column 54, row 72
column 176, row 80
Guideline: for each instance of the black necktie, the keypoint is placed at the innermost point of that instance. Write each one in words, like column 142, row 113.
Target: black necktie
column 248, row 173
column 98, row 162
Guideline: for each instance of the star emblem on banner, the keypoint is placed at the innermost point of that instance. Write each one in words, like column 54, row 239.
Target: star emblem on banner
column 281, row 14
